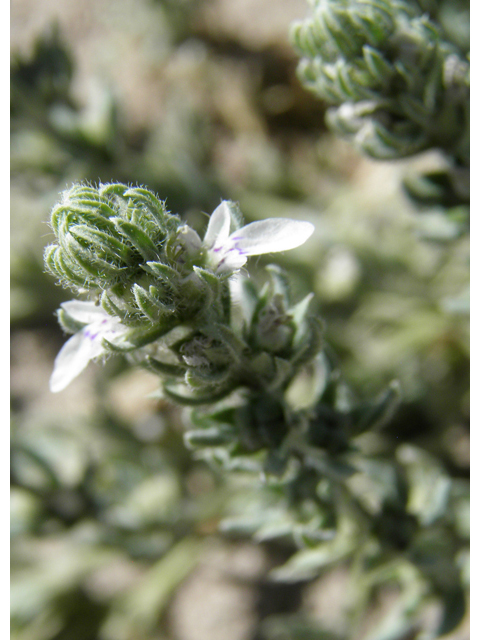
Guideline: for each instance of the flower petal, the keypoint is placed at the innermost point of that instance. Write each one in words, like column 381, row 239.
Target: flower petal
column 270, row 236
column 218, row 226
column 73, row 357
column 230, row 261
column 84, row 311
column 189, row 238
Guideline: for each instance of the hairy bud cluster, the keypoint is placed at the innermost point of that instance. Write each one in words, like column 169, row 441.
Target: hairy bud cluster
column 107, row 235
column 121, row 245
column 148, row 273
column 397, row 85
column 275, row 341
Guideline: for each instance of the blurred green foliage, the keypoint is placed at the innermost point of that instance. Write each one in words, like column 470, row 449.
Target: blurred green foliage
column 110, row 511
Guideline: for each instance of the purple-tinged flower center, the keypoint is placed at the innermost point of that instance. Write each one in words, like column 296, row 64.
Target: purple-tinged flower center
column 92, row 335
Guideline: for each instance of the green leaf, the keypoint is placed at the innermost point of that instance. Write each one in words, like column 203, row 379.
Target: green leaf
column 381, row 70
column 280, row 282
column 212, row 437
column 454, row 609
column 193, row 400
column 236, row 346
column 92, row 264
column 165, row 368
column 111, row 308
column 139, row 336
column 146, row 197
column 299, row 314
column 429, row 485
column 67, row 272
column 330, row 467
column 375, row 415
column 346, row 44
column 151, row 307
column 102, row 242
column 212, row 281
column 310, row 346
column 114, row 189
column 307, row 563
column 162, row 271
column 138, row 238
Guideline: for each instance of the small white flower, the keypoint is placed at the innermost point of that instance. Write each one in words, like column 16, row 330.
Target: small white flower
column 229, row 252
column 86, row 344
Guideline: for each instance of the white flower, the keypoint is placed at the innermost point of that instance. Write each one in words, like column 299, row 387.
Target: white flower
column 229, row 252
column 86, row 344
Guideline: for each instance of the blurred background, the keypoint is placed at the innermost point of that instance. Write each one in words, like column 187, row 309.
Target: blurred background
column 114, row 523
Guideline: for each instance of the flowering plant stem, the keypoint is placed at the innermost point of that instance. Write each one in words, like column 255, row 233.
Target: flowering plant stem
column 235, row 353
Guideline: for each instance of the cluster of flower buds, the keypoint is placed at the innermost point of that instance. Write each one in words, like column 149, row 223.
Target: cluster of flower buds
column 397, row 84
column 146, row 273
column 264, row 347
column 121, row 245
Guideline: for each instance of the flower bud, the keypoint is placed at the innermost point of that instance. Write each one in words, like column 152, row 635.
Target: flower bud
column 106, row 235
column 272, row 326
column 121, row 244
